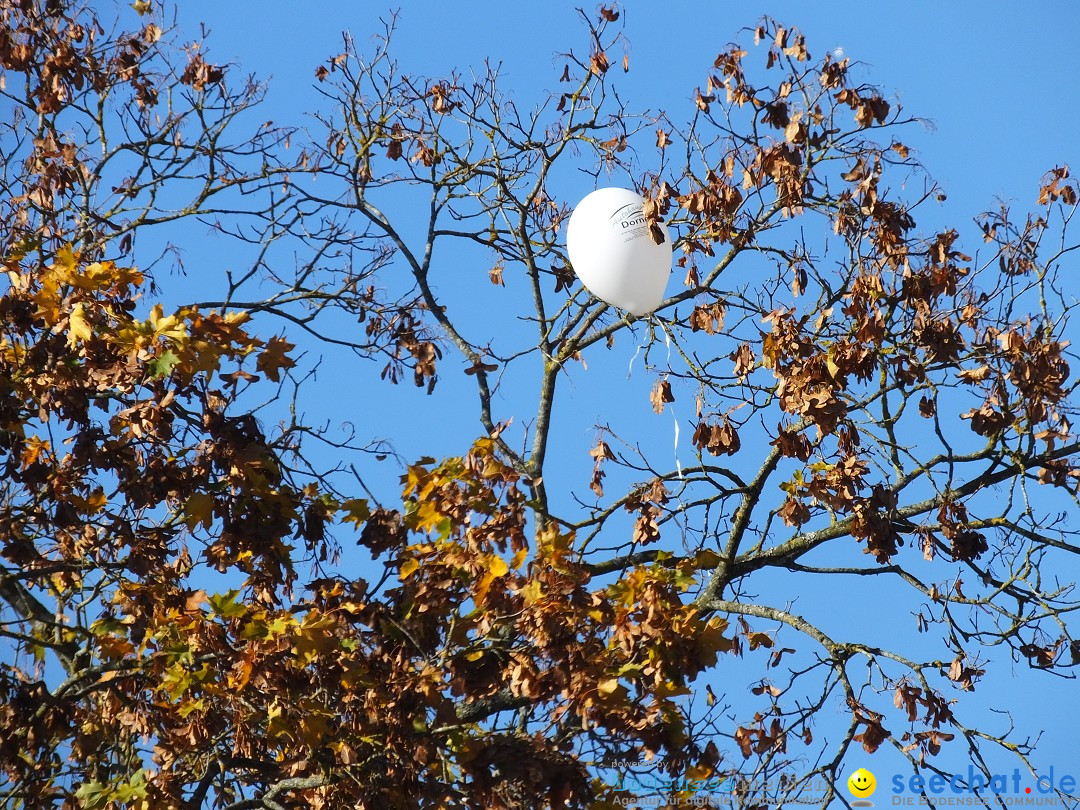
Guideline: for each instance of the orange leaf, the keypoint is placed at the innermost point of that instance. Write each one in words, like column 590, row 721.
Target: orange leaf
column 274, row 358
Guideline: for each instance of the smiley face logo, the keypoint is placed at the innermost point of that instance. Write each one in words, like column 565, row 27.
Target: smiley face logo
column 862, row 783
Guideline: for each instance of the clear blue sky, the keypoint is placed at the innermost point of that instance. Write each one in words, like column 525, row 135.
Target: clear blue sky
column 994, row 81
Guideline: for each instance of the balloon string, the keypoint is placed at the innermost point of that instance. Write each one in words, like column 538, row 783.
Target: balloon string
column 674, row 418
column 667, row 340
column 630, row 370
column 678, row 464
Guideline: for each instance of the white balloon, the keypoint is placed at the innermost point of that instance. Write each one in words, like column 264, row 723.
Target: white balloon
column 614, row 254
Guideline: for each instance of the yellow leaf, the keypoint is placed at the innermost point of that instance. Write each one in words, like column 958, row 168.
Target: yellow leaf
column 96, row 276
column 670, row 689
column 78, row 328
column 831, row 367
column 356, row 511
column 199, row 509
column 607, row 686
column 167, row 326
column 189, row 706
column 707, row 558
column 497, row 566
column 552, row 546
column 66, row 258
column 407, row 568
column 280, row 625
column 96, row 502
column 483, row 585
column 711, row 640
column 760, row 640
column 425, row 517
column 315, row 638
column 519, row 558
column 699, row 772
column 531, row 592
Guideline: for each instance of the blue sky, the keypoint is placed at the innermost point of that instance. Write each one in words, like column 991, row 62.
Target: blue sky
column 993, row 82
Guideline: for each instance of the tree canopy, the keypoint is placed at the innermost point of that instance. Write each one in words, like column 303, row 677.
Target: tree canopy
column 208, row 597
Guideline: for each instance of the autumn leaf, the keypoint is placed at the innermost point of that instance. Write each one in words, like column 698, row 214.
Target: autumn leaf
column 661, row 394
column 979, row 374
column 1040, row 656
column 227, row 605
column 356, row 511
column 799, row 281
column 703, row 101
column 744, row 361
column 274, row 357
column 33, row 448
column 718, row 439
column 479, row 365
column 199, row 510
column 600, row 453
column 170, row 327
column 759, row 640
column 163, row 364
column 856, row 172
column 607, row 686
column 598, row 63
column 744, row 738
column 78, row 328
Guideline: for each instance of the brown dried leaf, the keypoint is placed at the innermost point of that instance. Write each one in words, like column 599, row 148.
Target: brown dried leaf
column 661, row 393
column 744, row 362
column 602, row 451
column 701, row 101
column 744, row 738
column 598, row 63
column 479, row 365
